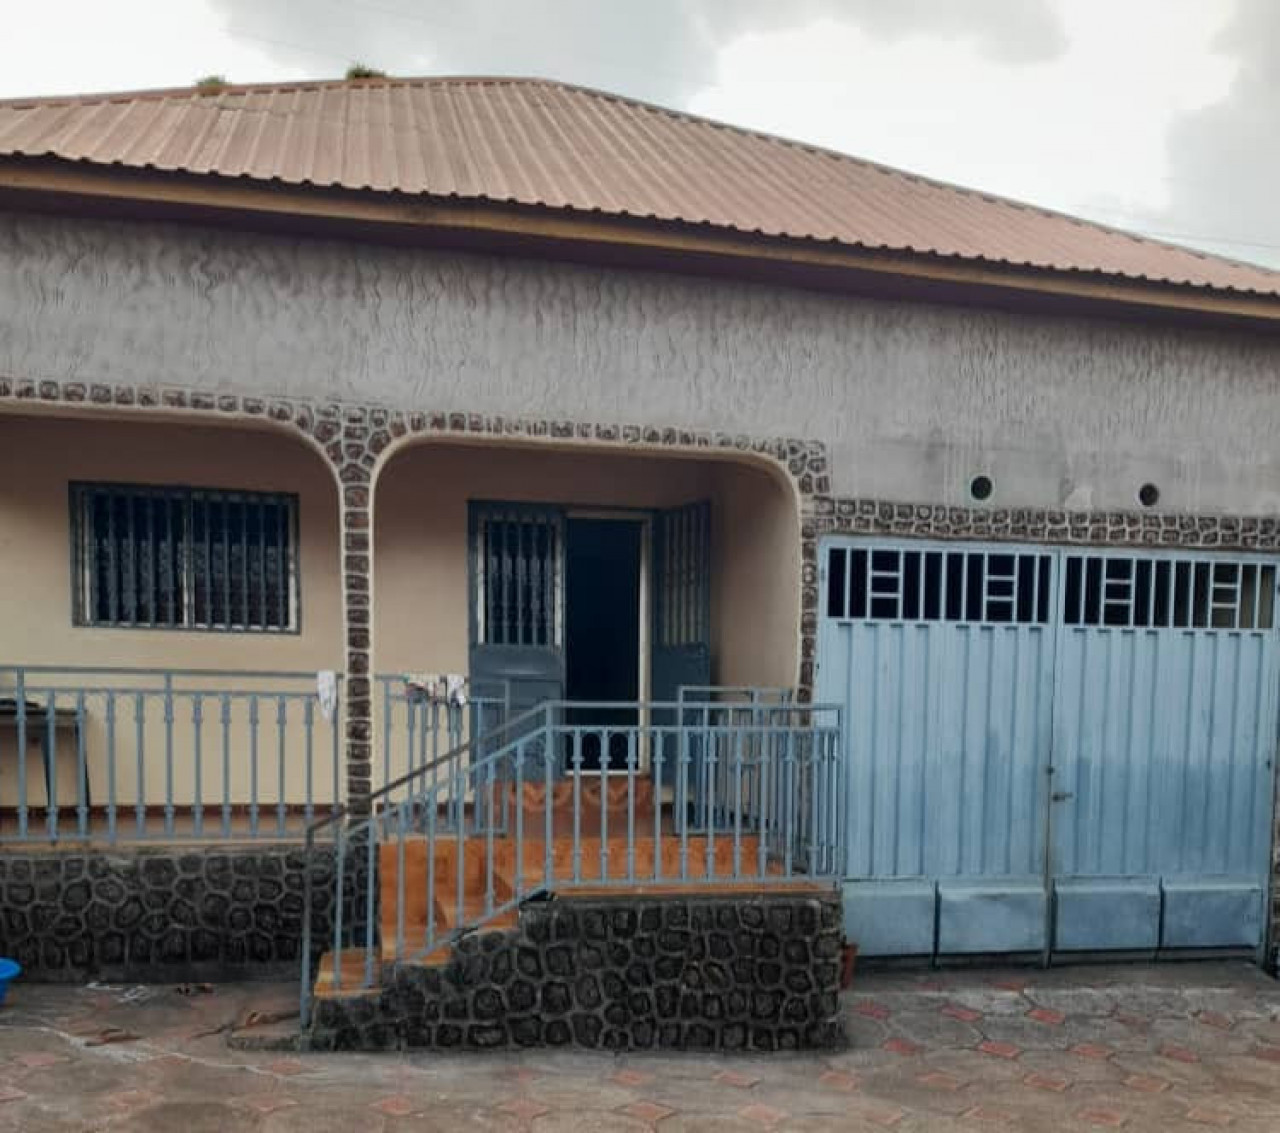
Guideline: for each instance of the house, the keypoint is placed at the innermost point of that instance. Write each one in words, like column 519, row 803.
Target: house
column 315, row 395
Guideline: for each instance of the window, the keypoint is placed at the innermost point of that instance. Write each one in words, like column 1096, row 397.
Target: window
column 930, row 586
column 1137, row 593
column 519, row 575
column 179, row 558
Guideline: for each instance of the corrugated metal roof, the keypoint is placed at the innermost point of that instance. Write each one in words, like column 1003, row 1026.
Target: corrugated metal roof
column 541, row 143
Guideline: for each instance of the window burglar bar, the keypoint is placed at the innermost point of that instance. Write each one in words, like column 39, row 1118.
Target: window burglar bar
column 930, row 586
column 1143, row 593
column 181, row 558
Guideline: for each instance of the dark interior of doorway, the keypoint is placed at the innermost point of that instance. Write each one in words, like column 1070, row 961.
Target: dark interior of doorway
column 602, row 628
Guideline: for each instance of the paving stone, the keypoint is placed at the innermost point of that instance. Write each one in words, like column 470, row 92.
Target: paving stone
column 838, row 1080
column 1208, row 1117
column 397, row 1106
column 647, row 1111
column 737, row 1079
column 989, row 1115
column 524, row 1109
column 762, row 1115
column 964, row 1014
column 1146, row 1083
column 1048, row 1017
column 940, row 1081
column 1093, row 1051
column 999, row 1049
column 902, row 1046
column 1047, row 1082
column 630, row 1078
column 1105, row 1118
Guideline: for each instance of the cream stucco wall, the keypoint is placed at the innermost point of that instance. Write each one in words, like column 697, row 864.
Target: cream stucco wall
column 420, row 545
column 39, row 458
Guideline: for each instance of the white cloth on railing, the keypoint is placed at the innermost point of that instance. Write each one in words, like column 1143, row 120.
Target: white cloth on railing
column 438, row 688
column 455, row 689
column 327, row 693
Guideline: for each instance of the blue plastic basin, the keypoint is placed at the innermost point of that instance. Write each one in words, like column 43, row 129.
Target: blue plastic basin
column 9, row 971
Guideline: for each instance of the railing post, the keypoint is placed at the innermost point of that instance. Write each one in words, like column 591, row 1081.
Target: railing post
column 82, row 771
column 168, row 753
column 224, row 716
column 140, row 726
column 111, row 766
column 20, row 691
column 304, row 1004
column 253, row 765
column 197, row 753
column 282, row 719
column 49, row 748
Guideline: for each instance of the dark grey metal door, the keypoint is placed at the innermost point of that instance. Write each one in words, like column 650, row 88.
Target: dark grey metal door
column 517, row 601
column 681, row 647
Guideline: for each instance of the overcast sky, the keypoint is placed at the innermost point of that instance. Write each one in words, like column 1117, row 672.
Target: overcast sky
column 1158, row 115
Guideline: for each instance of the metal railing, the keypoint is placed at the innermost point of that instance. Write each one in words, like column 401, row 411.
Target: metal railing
column 416, row 730
column 131, row 754
column 573, row 796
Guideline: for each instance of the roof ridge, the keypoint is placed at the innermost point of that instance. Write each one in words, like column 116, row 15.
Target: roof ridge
column 690, row 131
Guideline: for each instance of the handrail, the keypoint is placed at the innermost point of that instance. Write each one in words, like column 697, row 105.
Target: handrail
column 754, row 798
column 453, row 755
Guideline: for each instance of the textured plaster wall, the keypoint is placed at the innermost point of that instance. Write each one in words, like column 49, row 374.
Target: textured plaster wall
column 912, row 399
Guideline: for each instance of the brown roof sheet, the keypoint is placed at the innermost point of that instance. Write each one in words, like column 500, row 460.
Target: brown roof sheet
column 539, row 143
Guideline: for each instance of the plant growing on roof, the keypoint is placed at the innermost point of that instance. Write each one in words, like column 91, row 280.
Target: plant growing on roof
column 364, row 71
column 211, row 82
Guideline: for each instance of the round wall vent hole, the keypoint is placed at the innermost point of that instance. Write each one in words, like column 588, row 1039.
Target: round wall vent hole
column 981, row 487
column 1148, row 495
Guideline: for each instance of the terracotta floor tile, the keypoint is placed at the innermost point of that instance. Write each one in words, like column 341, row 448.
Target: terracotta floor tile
column 1104, row 1118
column 1047, row 1082
column 763, row 1115
column 964, row 1014
column 1000, row 1050
column 651, row 1112
column 1049, row 1018
column 525, row 1109
column 1092, row 1051
column 395, row 1106
column 901, row 1046
column 940, row 1081
column 1146, row 1084
column 1209, row 1117
column 630, row 1078
column 838, row 1080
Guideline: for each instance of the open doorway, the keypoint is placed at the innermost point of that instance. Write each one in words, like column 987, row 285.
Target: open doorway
column 604, row 599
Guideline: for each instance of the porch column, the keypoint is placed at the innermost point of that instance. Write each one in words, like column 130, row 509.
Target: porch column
column 352, row 438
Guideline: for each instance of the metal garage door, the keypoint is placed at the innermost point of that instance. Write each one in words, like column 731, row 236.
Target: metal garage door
column 1051, row 750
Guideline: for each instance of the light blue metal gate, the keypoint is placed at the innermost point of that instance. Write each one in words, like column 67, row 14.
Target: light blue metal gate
column 1035, row 765
column 1165, row 731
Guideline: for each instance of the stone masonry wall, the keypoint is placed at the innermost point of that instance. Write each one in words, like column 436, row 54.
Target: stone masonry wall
column 757, row 973
column 163, row 914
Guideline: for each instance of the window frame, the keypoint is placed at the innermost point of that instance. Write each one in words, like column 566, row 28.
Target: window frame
column 81, row 495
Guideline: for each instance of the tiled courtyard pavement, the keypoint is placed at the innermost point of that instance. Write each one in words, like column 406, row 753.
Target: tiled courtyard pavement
column 1140, row 1048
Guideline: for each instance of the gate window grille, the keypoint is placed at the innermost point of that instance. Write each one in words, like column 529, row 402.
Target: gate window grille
column 519, row 578
column 938, row 586
column 1134, row 593
column 180, row 558
column 684, row 615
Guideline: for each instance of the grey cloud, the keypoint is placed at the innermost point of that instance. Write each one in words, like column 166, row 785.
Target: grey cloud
column 1225, row 158
column 662, row 50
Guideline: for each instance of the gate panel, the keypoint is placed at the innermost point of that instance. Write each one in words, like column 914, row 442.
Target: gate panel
column 1163, row 743
column 943, row 656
